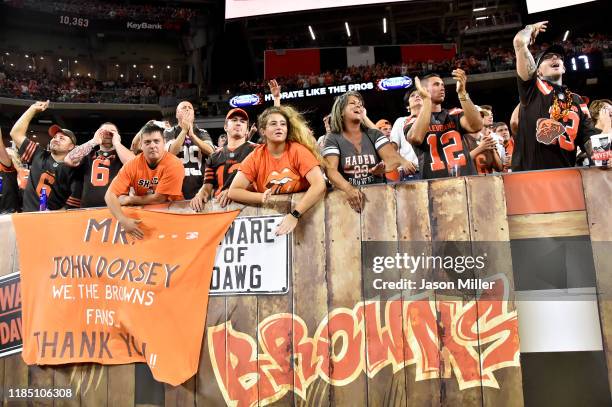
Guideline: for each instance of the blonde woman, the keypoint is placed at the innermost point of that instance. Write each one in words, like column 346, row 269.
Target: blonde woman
column 288, row 162
column 356, row 155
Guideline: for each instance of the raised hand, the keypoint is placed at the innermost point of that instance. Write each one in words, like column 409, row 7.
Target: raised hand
column 461, row 78
column 39, row 107
column 275, row 88
column 116, row 138
column 97, row 137
column 536, row 29
column 424, row 93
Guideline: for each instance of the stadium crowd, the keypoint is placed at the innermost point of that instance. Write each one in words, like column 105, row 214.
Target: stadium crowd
column 277, row 153
column 36, row 85
column 107, row 10
column 494, row 59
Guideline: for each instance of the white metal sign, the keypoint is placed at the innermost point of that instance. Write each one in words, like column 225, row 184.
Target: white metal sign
column 252, row 259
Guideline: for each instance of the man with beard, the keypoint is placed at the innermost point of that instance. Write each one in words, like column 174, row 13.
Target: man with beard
column 47, row 169
column 552, row 119
column 95, row 169
column 189, row 143
column 222, row 166
column 438, row 134
column 155, row 175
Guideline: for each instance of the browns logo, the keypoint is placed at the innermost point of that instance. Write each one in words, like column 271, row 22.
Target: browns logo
column 548, row 130
column 283, row 182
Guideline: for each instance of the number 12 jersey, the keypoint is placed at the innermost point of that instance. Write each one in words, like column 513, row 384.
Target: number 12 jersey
column 444, row 146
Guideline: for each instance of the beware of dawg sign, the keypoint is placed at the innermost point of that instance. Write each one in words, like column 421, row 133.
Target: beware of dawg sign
column 10, row 314
column 251, row 259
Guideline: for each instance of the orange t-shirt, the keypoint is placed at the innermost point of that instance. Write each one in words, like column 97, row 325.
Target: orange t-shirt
column 284, row 175
column 166, row 178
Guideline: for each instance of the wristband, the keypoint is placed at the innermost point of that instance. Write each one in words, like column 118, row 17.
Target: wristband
column 465, row 97
column 295, row 213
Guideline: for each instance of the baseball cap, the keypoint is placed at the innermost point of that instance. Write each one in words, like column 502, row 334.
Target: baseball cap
column 237, row 112
column 553, row 49
column 53, row 130
column 381, row 123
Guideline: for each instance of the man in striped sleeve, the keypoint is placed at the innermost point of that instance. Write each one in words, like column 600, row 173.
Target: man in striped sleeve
column 222, row 166
column 47, row 169
column 552, row 119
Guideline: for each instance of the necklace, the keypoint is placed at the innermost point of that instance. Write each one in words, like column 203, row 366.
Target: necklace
column 562, row 103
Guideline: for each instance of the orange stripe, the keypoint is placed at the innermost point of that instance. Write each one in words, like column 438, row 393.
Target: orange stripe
column 543, row 86
column 27, row 154
column 544, row 192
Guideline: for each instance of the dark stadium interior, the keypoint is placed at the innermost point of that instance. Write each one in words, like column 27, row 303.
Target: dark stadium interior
column 128, row 62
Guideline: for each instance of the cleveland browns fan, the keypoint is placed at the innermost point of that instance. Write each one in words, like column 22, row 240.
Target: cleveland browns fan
column 553, row 119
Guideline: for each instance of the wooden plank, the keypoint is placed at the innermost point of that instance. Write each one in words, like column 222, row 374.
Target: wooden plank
column 489, row 224
column 92, row 381
column 181, row 395
column 278, row 304
column 309, row 305
column 343, row 242
column 40, row 377
column 560, row 224
column 121, row 385
column 15, row 377
column 450, row 223
column 64, row 378
column 241, row 312
column 414, row 235
column 208, row 392
column 378, row 221
column 597, row 185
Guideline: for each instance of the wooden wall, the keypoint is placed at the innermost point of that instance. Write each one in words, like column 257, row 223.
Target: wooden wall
column 328, row 281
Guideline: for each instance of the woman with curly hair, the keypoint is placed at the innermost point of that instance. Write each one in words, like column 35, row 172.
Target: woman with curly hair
column 288, row 162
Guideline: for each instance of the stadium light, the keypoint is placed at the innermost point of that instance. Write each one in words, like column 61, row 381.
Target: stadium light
column 78, row 74
column 154, row 76
column 482, row 18
column 134, row 66
column 89, row 75
column 29, row 66
column 41, row 58
column 116, row 65
column 12, row 64
column 121, row 75
column 7, row 54
column 566, row 35
column 312, row 34
column 479, row 9
column 384, row 25
column 59, row 60
column 76, row 62
column 151, row 66
column 167, row 66
column 27, row 56
column 348, row 30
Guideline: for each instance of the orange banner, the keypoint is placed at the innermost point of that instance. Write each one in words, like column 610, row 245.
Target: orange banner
column 90, row 293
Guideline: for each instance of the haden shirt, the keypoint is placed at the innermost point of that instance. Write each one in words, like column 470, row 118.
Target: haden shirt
column 356, row 165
